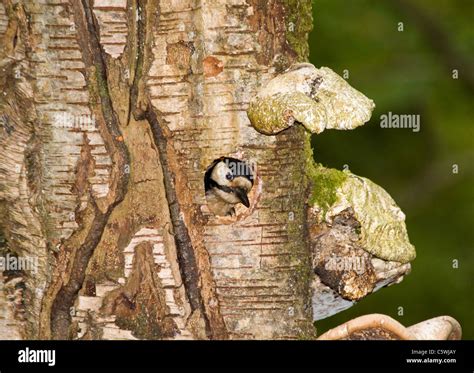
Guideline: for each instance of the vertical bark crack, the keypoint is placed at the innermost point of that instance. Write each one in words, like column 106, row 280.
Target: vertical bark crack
column 186, row 257
column 64, row 300
column 142, row 109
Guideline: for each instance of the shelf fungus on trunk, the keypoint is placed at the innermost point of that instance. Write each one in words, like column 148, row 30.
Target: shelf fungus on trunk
column 358, row 239
column 316, row 98
column 382, row 327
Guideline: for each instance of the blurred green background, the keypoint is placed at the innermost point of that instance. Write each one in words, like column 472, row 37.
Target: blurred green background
column 410, row 72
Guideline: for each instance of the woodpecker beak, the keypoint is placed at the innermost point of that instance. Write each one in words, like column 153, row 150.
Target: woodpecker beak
column 242, row 195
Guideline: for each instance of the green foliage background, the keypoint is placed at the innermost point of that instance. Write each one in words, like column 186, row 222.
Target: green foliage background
column 410, row 72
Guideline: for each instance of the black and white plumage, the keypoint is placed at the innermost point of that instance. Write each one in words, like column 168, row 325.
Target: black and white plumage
column 227, row 182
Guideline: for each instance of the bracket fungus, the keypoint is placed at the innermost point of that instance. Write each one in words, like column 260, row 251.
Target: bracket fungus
column 382, row 230
column 358, row 240
column 383, row 327
column 316, row 98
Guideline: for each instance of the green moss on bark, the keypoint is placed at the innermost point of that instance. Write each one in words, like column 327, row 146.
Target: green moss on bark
column 325, row 182
column 299, row 23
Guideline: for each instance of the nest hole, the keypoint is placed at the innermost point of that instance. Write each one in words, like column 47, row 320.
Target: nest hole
column 225, row 179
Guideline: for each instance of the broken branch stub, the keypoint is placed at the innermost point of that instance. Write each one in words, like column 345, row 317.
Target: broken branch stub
column 319, row 99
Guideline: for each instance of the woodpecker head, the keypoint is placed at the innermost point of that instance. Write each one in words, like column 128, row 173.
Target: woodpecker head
column 227, row 182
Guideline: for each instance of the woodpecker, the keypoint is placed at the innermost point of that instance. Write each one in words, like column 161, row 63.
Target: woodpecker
column 227, row 182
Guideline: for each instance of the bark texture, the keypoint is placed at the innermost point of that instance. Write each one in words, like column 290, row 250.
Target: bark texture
column 112, row 110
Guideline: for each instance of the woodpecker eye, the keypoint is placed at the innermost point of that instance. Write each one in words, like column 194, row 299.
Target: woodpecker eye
column 229, row 176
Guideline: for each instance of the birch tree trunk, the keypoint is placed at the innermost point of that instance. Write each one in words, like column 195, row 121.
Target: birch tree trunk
column 111, row 112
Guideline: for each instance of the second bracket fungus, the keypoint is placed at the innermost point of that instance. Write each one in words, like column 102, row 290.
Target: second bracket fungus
column 382, row 327
column 316, row 98
column 382, row 223
column 358, row 238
